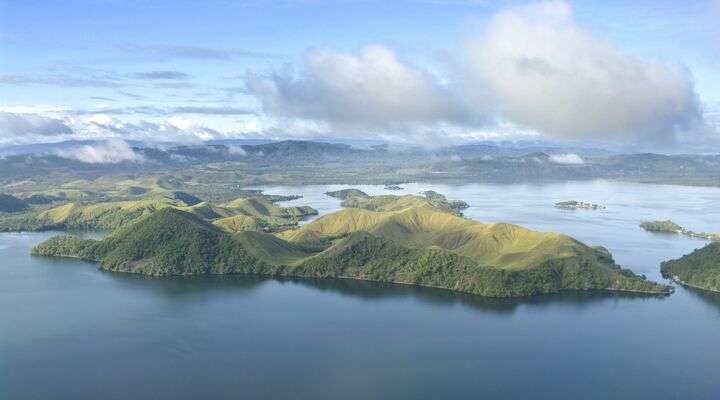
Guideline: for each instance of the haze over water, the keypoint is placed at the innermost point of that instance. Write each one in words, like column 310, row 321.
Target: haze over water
column 67, row 329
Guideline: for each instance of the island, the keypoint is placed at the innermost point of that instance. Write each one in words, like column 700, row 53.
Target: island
column 699, row 269
column 404, row 239
column 346, row 193
column 671, row 227
column 393, row 187
column 575, row 205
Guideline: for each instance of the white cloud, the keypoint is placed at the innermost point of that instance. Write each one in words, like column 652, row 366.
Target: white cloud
column 171, row 129
column 236, row 150
column 111, row 151
column 568, row 158
column 373, row 89
column 23, row 128
column 549, row 74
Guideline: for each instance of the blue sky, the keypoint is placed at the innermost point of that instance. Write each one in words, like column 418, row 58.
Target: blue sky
column 194, row 70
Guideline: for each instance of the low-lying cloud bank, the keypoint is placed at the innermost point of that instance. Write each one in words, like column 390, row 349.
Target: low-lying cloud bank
column 568, row 158
column 30, row 126
column 111, row 151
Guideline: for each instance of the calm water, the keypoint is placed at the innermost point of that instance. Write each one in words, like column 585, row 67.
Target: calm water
column 69, row 331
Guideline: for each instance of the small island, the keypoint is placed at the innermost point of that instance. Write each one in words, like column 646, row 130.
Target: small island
column 418, row 240
column 578, row 205
column 344, row 194
column 699, row 269
column 393, row 187
column 671, row 227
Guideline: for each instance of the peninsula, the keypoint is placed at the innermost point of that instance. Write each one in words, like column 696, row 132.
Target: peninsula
column 671, row 227
column 404, row 239
column 699, row 269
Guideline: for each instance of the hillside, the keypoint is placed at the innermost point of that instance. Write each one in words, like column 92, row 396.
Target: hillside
column 167, row 242
column 346, row 193
column 500, row 245
column 416, row 246
column 354, row 198
column 11, row 204
column 700, row 269
column 254, row 213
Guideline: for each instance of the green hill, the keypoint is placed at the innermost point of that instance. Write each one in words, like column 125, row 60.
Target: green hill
column 346, row 193
column 700, row 269
column 389, row 202
column 11, row 204
column 500, row 245
column 263, row 213
column 262, row 207
column 416, row 246
column 255, row 213
column 103, row 216
column 167, row 242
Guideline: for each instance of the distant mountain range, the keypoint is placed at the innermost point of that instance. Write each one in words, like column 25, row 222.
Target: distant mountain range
column 294, row 161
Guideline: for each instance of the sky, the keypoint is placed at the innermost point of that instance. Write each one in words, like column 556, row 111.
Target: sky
column 644, row 74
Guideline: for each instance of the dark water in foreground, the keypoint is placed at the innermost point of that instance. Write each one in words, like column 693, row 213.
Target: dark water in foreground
column 69, row 331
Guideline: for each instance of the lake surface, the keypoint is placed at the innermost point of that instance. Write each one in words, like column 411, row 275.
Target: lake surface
column 69, row 331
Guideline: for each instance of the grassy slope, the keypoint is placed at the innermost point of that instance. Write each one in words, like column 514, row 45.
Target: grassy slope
column 260, row 207
column 242, row 214
column 394, row 203
column 500, row 245
column 701, row 268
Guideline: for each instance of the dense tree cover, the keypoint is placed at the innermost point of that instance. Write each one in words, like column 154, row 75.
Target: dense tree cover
column 11, row 204
column 662, row 226
column 700, row 269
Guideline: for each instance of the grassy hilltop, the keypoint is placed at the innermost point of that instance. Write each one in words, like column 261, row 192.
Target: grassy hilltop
column 412, row 242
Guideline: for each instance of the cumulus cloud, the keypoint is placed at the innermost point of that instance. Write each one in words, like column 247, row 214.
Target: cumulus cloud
column 373, row 89
column 567, row 158
column 19, row 127
column 111, row 151
column 549, row 74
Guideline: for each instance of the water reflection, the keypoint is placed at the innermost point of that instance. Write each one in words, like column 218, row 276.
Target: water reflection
column 710, row 298
column 202, row 286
